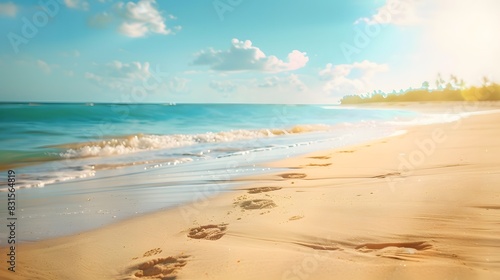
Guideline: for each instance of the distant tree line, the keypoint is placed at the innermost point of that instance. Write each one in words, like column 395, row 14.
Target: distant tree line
column 452, row 90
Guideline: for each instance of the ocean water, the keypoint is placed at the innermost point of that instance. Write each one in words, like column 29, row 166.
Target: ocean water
column 81, row 166
column 55, row 142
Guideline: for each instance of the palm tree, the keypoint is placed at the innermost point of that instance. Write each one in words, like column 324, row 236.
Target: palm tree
column 425, row 85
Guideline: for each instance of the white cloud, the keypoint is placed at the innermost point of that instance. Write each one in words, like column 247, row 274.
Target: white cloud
column 223, row 86
column 177, row 85
column 8, row 9
column 133, row 70
column 133, row 29
column 77, row 4
column 292, row 81
column 141, row 18
column 244, row 56
column 398, row 12
column 119, row 75
column 353, row 78
column 44, row 66
column 270, row 82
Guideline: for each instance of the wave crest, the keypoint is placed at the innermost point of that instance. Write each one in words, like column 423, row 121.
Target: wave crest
column 146, row 142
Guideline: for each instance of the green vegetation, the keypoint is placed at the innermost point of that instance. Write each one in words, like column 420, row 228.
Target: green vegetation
column 453, row 90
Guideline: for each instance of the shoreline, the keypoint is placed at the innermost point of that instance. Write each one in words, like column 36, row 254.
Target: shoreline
column 79, row 205
column 366, row 211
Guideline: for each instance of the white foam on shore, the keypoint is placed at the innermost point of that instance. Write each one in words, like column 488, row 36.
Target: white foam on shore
column 39, row 180
column 137, row 143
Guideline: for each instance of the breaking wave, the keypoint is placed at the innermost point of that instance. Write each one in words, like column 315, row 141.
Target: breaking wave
column 146, row 142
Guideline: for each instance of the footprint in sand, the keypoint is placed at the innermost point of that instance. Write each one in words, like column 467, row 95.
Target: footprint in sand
column 315, row 246
column 293, row 175
column 161, row 268
column 208, row 232
column 257, row 204
column 387, row 175
column 419, row 245
column 319, row 164
column 320, row 157
column 263, row 189
column 152, row 252
column 400, row 251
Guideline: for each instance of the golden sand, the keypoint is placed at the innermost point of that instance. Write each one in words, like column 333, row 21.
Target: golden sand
column 423, row 205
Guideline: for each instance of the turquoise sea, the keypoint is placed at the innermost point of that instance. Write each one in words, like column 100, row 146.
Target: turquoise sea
column 81, row 166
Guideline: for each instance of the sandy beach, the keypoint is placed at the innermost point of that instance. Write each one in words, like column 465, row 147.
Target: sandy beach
column 422, row 205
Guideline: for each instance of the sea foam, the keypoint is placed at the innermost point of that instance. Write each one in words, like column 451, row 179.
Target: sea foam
column 146, row 142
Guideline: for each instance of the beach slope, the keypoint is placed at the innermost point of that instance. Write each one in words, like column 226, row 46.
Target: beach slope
column 423, row 205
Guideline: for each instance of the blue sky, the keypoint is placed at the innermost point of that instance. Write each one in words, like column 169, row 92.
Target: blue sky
column 239, row 51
